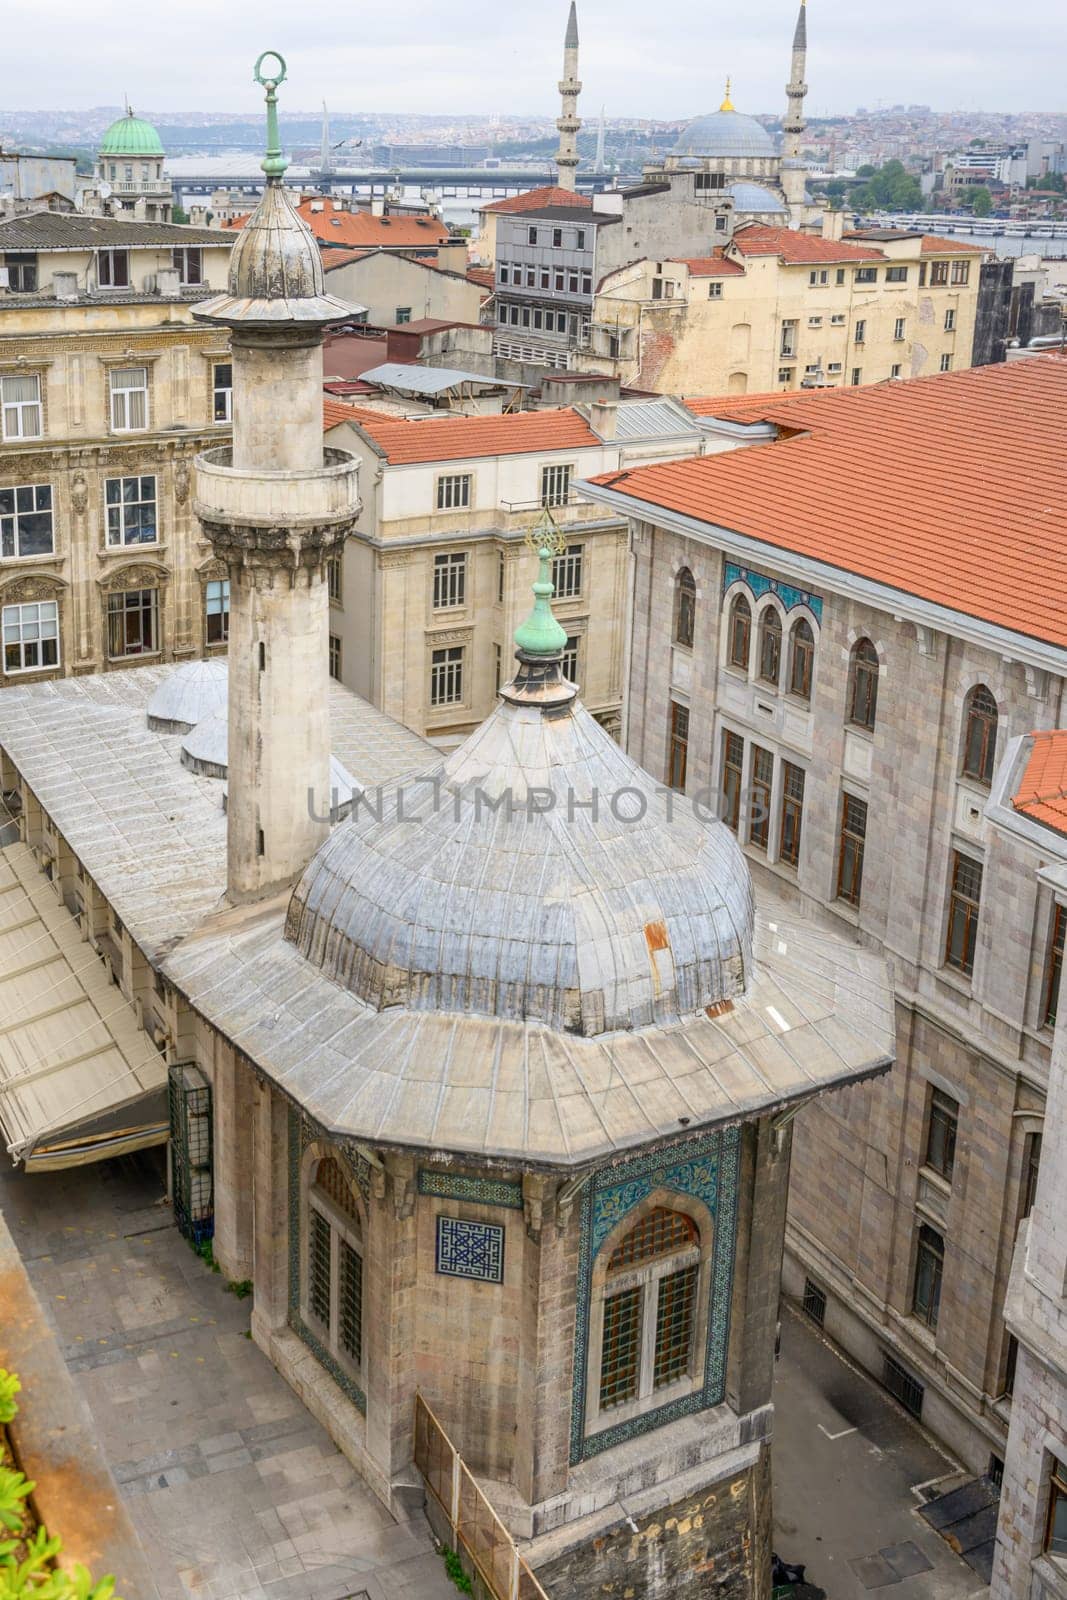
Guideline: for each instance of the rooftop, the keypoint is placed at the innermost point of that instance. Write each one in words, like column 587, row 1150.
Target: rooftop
column 1042, row 791
column 413, row 379
column 58, row 230
column 460, row 438
column 533, row 199
column 713, row 266
column 891, row 484
column 363, row 230
column 800, row 249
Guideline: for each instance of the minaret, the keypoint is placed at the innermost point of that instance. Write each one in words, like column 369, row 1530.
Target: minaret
column 598, row 165
column 794, row 174
column 568, row 121
column 276, row 511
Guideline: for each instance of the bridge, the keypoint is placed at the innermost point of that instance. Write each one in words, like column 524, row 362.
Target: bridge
column 491, row 182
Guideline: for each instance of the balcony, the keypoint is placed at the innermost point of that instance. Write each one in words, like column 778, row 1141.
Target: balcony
column 256, row 497
column 148, row 186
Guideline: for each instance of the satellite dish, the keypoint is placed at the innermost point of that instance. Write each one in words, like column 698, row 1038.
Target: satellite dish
column 104, row 191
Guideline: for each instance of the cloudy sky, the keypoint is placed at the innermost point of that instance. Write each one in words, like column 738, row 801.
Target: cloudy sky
column 486, row 56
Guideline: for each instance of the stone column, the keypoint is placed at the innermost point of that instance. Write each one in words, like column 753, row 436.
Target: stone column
column 233, row 1163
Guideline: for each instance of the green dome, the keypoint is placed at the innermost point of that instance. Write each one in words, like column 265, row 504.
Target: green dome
column 129, row 136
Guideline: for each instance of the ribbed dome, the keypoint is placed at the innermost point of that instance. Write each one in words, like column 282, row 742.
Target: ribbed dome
column 726, row 134
column 586, row 921
column 131, row 136
column 188, row 695
column 276, row 271
column 755, row 199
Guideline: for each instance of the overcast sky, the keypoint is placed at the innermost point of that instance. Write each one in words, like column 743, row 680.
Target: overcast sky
column 485, row 56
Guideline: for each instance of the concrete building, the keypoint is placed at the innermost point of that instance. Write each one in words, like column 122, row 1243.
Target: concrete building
column 777, row 309
column 839, row 633
column 393, row 288
column 129, row 178
column 34, row 183
column 108, row 390
column 1027, row 806
column 499, row 1090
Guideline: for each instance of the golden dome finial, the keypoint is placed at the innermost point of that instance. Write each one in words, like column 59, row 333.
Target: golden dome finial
column 727, row 104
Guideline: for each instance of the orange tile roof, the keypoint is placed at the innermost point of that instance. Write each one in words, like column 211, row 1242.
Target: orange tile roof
column 1042, row 791
column 484, row 277
column 893, row 483
column 459, row 438
column 800, row 249
column 362, row 229
column 934, row 245
column 534, row 199
column 713, row 266
column 334, row 412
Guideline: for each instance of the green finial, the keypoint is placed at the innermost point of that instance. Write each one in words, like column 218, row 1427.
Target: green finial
column 273, row 163
column 541, row 634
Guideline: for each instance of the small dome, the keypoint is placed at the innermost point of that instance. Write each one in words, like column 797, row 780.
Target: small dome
column 205, row 749
column 188, row 695
column 725, row 135
column 131, row 136
column 544, row 875
column 276, row 272
column 754, row 199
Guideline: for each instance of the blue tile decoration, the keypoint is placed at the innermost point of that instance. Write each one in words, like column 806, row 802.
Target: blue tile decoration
column 460, row 1186
column 302, row 1132
column 470, row 1249
column 759, row 584
column 706, row 1168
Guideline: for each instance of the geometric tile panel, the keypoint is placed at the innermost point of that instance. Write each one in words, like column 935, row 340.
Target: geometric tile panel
column 460, row 1186
column 470, row 1250
column 759, row 584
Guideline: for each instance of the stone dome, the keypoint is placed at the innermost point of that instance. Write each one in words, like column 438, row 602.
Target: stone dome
column 187, row 695
column 754, row 198
column 725, row 135
column 131, row 136
column 276, row 272
column 535, row 873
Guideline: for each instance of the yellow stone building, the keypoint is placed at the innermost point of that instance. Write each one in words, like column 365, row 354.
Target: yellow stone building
column 778, row 309
column 108, row 390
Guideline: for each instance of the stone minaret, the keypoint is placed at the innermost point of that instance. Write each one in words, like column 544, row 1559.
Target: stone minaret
column 569, row 122
column 794, row 174
column 276, row 509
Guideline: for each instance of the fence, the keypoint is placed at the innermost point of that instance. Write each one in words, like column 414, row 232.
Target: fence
column 475, row 1524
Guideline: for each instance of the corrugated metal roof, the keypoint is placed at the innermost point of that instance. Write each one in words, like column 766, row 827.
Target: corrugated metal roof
column 55, row 230
column 424, row 380
column 653, row 419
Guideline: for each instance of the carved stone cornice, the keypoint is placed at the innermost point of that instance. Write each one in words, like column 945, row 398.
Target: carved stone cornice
column 134, row 575
column 276, row 551
column 32, row 586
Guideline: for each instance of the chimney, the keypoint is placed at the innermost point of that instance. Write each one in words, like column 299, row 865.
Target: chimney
column 168, row 283
column 377, row 205
column 453, row 255
column 65, row 285
column 604, row 417
column 833, row 224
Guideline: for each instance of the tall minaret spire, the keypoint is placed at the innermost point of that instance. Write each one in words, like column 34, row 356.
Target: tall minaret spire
column 794, row 177
column 569, row 122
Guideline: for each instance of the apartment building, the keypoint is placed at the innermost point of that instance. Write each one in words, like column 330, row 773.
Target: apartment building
column 779, row 309
column 108, row 390
column 838, row 634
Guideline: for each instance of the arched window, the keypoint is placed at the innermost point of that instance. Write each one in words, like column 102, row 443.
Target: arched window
column 740, row 633
column 333, row 1281
column 685, row 608
column 801, row 659
column 650, row 1308
column 863, row 685
column 979, row 735
column 770, row 646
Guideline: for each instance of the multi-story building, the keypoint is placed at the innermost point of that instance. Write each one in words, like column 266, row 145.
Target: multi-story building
column 108, row 388
column 778, row 309
column 838, row 633
column 129, row 179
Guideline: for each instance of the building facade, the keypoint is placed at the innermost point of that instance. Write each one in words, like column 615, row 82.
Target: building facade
column 129, row 179
column 109, row 389
column 805, row 647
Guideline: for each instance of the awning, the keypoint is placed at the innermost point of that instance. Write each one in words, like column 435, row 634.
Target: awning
column 80, row 1080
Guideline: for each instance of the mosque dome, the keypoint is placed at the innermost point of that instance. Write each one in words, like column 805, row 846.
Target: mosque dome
column 755, row 199
column 131, row 136
column 205, row 750
column 725, row 135
column 187, row 696
column 536, row 873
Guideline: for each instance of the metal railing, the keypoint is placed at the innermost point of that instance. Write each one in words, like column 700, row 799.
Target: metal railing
column 475, row 1525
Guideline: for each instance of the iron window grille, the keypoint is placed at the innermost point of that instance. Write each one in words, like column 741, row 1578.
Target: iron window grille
column 902, row 1386
column 814, row 1302
column 26, row 521
column 189, row 1101
column 649, row 1325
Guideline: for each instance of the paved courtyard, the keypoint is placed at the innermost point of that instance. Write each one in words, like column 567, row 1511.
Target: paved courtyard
column 234, row 1491
column 847, row 1463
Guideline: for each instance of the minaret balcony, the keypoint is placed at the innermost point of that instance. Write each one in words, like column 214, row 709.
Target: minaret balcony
column 254, row 497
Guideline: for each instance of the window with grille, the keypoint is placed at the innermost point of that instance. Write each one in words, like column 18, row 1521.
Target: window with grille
column 850, row 849
column 130, row 505
column 814, row 1302
column 902, row 1386
column 678, row 746
column 555, row 485
column 446, row 676
column 26, row 521
column 801, row 659
column 21, row 413
column 929, row 1268
column 320, row 1276
column 941, row 1127
column 30, row 636
column 334, row 656
column 454, row 491
column 113, row 269
column 1031, row 1169
column 621, row 1348
column 334, row 1287
column 685, row 606
column 567, row 572
column 569, row 660
column 189, row 260
column 449, row 580
column 674, row 1325
column 863, row 685
column 792, row 813
column 133, row 623
column 980, row 735
column 733, row 761
column 222, row 391
column 740, row 639
column 350, row 1302
column 770, row 646
column 649, row 1324
column 759, row 825
column 965, row 894
column 217, row 610
column 129, row 399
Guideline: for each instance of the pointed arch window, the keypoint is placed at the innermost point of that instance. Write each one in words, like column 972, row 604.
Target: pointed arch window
column 801, row 659
column 649, row 1308
column 863, row 685
column 770, row 646
column 979, row 735
column 685, row 608
column 740, row 633
column 333, row 1281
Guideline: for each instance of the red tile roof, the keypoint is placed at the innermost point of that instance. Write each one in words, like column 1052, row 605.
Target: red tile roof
column 534, row 199
column 334, row 412
column 484, row 277
column 1042, row 791
column 460, row 438
column 800, row 249
column 894, row 483
column 933, row 245
column 362, row 228
column 713, row 266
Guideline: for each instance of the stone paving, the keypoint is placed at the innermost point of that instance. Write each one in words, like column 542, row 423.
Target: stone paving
column 235, row 1492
